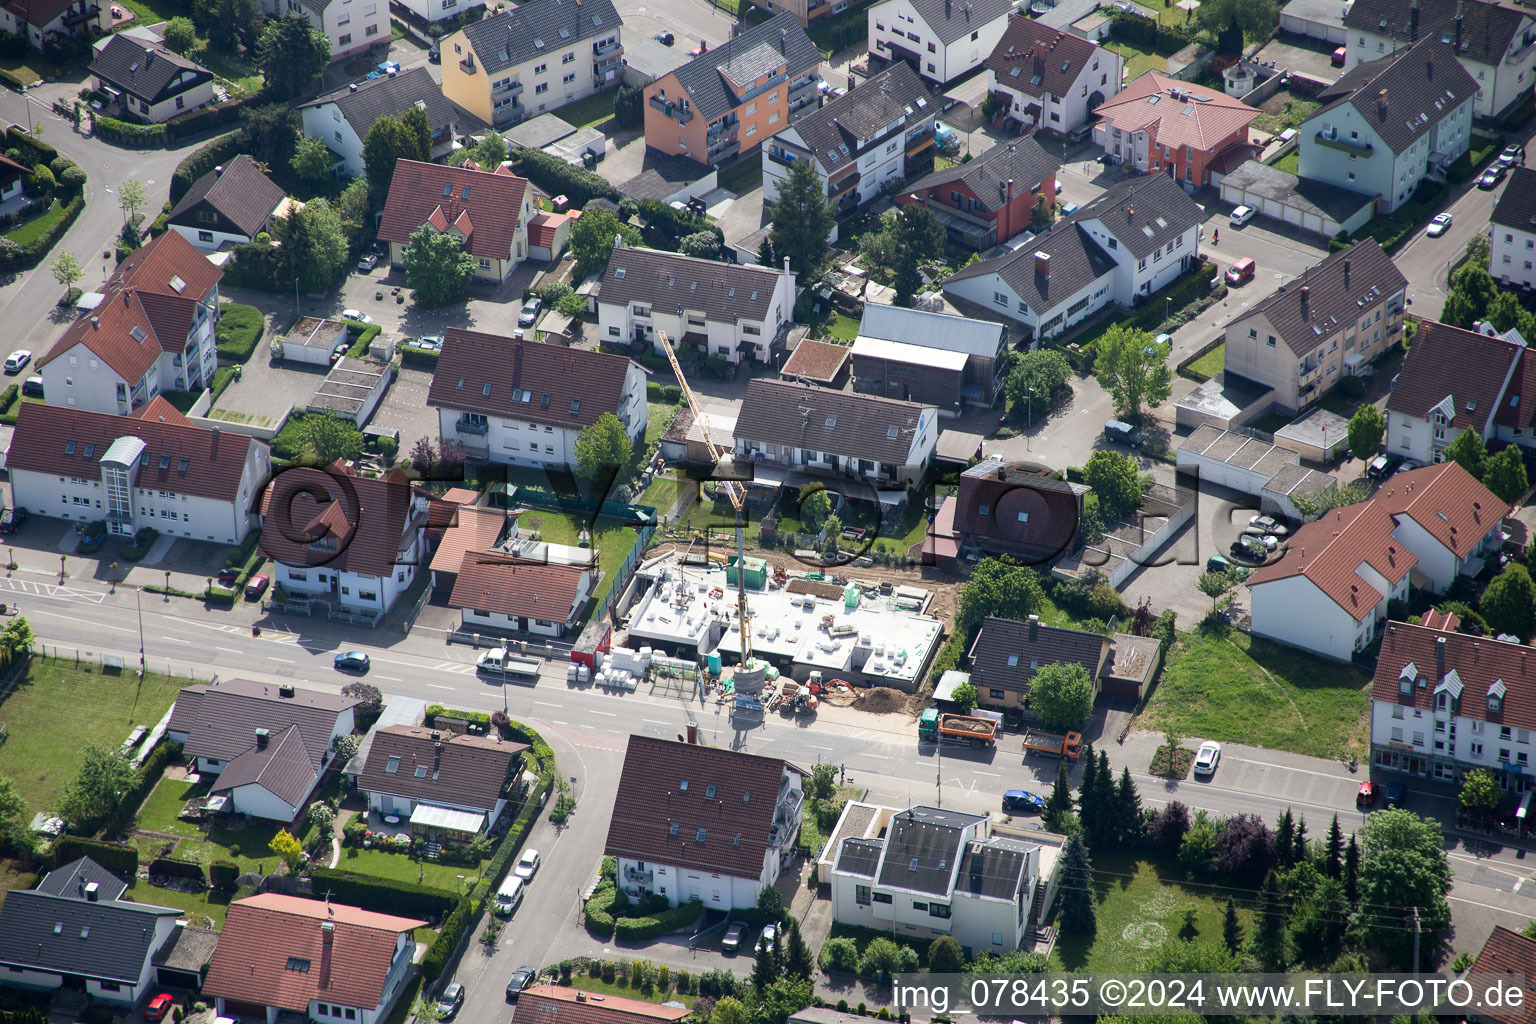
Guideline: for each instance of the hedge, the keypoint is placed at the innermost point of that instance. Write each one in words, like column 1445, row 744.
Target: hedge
column 115, row 857
column 8, row 398
column 447, row 941
column 127, row 133
column 204, row 159
column 240, row 328
column 223, row 875
column 657, row 392
column 365, row 336
column 222, row 114
column 557, row 177
column 543, row 756
column 653, row 925
column 32, row 151
column 384, row 895
column 149, row 774
column 33, row 252
column 410, row 355
column 480, row 718
column 599, row 912
column 176, row 868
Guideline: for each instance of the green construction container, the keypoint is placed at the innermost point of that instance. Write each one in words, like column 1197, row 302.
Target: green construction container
column 757, row 572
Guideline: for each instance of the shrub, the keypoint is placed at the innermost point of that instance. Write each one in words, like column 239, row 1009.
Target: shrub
column 1352, row 388
column 447, row 940
column 557, row 177
column 653, row 925
column 115, row 857
column 240, row 327
column 384, row 895
column 204, row 159
column 223, row 874
column 840, row 955
column 599, row 912
column 176, row 868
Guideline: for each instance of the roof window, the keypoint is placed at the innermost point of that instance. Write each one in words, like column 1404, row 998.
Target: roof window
column 421, row 771
column 673, row 829
column 181, row 467
column 831, row 421
column 464, row 193
column 737, row 840
column 575, row 406
column 298, row 963
column 90, row 450
column 699, row 836
column 447, row 189
column 544, row 400
column 486, row 391
column 746, row 795
column 1013, row 661
column 69, row 447
column 683, row 785
column 165, row 462
column 177, row 284
column 709, row 792
column 618, row 272
column 891, row 432
column 138, row 334
column 393, row 765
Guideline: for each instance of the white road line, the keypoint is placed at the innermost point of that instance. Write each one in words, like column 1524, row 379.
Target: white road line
column 815, row 747
column 1518, row 883
column 231, row 650
column 1488, row 906
column 547, row 704
column 392, row 679
column 605, row 714
column 991, row 774
column 439, row 686
column 653, row 721
column 1288, row 768
column 878, row 757
column 1483, row 862
column 273, row 658
column 175, row 640
column 558, row 722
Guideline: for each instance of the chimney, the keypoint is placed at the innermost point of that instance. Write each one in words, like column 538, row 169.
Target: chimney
column 1034, row 627
column 693, row 734
column 786, row 266
column 92, row 892
column 1306, row 311
column 285, row 691
column 327, row 931
column 1043, row 264
column 149, row 59
column 1460, row 10
column 1346, row 275
column 352, row 87
column 1440, row 651
column 581, row 996
column 1010, row 189
column 618, row 241
column 1413, row 22
column 96, row 322
column 261, row 739
column 947, row 8
column 1381, row 103
column 1429, row 65
column 436, row 735
column 218, row 170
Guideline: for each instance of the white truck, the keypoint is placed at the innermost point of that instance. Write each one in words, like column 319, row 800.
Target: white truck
column 498, row 662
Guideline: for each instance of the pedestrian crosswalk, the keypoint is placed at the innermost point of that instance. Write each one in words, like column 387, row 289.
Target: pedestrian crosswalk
column 42, row 589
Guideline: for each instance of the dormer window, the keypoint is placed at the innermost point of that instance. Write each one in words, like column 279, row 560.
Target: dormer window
column 1405, row 679
column 1496, row 697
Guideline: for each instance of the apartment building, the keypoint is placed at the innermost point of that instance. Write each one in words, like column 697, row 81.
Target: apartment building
column 941, row 39
column 1049, row 78
column 990, row 200
column 1163, row 125
column 351, row 26
column 1454, row 380
column 1512, row 232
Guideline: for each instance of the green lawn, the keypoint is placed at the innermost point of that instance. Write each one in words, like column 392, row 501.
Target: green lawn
column 612, row 539
column 662, row 493
column 1138, row 62
column 586, row 983
column 205, row 909
column 35, row 228
column 234, row 68
column 744, row 176
column 1139, row 907
column 160, row 811
column 59, row 708
column 1223, row 685
column 587, row 113
column 1295, row 112
column 32, row 67
column 1212, row 363
column 1290, row 163
column 844, row 328
column 402, row 868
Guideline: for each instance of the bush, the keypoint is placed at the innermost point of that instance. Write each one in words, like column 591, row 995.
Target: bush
column 599, row 912
column 240, row 327
column 654, row 925
column 384, row 895
column 223, row 875
column 1352, row 388
column 117, row 858
column 410, row 355
column 33, row 252
column 840, row 955
column 474, row 718
column 557, row 177
column 176, row 868
column 127, row 133
column 148, row 775
column 447, row 940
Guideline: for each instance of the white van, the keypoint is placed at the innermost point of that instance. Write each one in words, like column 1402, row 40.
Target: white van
column 509, row 896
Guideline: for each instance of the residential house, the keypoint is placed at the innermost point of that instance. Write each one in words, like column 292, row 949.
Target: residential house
column 1136, row 237
column 1330, row 591
column 1007, row 653
column 558, row 1004
column 152, row 332
column 268, row 744
column 350, row 26
column 328, row 551
column 450, row 786
column 877, row 133
column 1492, row 41
column 705, row 824
column 76, row 930
column 1446, row 703
column 535, row 57
column 34, row 19
column 1162, row 125
column 787, row 426
column 1311, row 333
column 1008, row 509
column 933, row 358
column 1389, row 123
column 1512, row 235
column 150, row 81
column 818, row 362
column 939, row 872
column 12, row 178
column 1454, row 380
column 941, row 39
column 729, row 99
column 732, row 311
column 548, row 235
column 342, row 119
column 228, row 205
column 1511, row 954
column 525, row 403
column 991, row 199
column 315, row 958
column 151, row 469
column 442, row 10
column 1049, row 78
column 489, row 211
column 499, row 591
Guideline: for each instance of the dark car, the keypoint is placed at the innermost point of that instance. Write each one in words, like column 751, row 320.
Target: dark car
column 665, row 38
column 449, row 1002
column 32, row 386
column 1022, row 801
column 521, row 979
column 1395, row 794
column 434, row 55
column 12, row 518
column 1383, row 466
column 352, row 661
column 1369, row 791
column 1249, row 548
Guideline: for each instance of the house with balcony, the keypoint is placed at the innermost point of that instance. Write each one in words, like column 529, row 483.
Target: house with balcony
column 151, row 83
column 1049, row 78
column 790, row 426
column 730, row 99
column 1454, row 380
column 941, row 39
column 1492, row 41
column 153, row 332
column 350, row 26
column 488, row 211
column 1512, row 232
column 712, row 309
column 1162, row 125
column 33, row 20
column 450, row 786
column 530, row 59
column 1329, row 324
column 990, row 200
column 1390, row 123
column 343, row 118
column 703, row 824
column 879, row 132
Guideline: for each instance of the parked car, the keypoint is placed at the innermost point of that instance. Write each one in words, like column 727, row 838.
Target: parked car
column 1241, row 271
column 1513, row 154
column 352, row 661
column 430, row 342
column 435, row 55
column 1207, row 757
column 697, row 51
column 1219, row 563
column 1123, row 433
column 527, row 865
column 1249, row 548
column 12, row 518
column 159, row 1006
column 1367, row 794
column 1407, row 465
column 1395, row 793
column 257, row 586
column 33, row 386
column 449, row 1002
column 1267, row 525
column 1339, row 57
column 530, row 312
column 1242, row 215
column 733, row 936
column 1492, row 176
column 356, row 315
column 665, row 38
column 1439, row 225
column 1022, row 801
column 368, row 262
column 509, row 897
column 1383, row 466
column 765, row 940
column 1080, row 133
column 18, row 359
column 522, row 978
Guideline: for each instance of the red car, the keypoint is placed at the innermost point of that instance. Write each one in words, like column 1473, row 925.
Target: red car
column 1367, row 795
column 158, row 1007
column 257, row 586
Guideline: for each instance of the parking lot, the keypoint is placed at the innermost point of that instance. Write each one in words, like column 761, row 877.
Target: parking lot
column 405, row 408
column 1311, row 58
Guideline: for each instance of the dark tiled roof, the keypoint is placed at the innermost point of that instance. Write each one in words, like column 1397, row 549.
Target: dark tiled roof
column 923, row 846
column 1028, row 513
column 832, row 132
column 667, row 280
column 745, row 795
column 394, row 94
column 1448, row 503
column 472, row 362
column 1331, row 305
column 1033, row 58
column 146, row 70
column 221, row 721
column 842, row 422
column 286, row 767
column 242, row 194
column 1024, row 161
column 664, row 175
column 1076, row 261
column 72, row 878
column 818, row 361
column 556, row 1004
column 993, row 868
column 541, row 27
column 1516, row 207
column 491, row 581
column 860, row 856
column 39, row 13
column 362, row 528
column 713, row 94
column 483, row 205
column 1508, row 953
column 1030, row 646
column 468, row 771
column 1478, row 662
column 1487, row 30
column 951, row 19
column 1145, row 213
column 1449, row 363
column 1517, row 409
column 1424, row 83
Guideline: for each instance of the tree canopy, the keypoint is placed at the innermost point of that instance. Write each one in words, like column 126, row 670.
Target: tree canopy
column 997, row 588
column 392, row 139
column 592, row 240
column 436, row 266
column 1508, row 602
column 1403, row 866
column 1116, row 479
column 325, row 438
column 1504, row 474
column 1045, row 372
column 1133, row 370
column 1468, row 449
column 96, row 789
column 1061, row 695
column 602, row 448
column 1366, row 428
column 314, row 246
column 906, row 237
column 802, row 218
column 290, row 53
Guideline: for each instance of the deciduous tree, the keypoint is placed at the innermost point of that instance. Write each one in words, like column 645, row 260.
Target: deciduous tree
column 965, row 698
column 603, row 448
column 1403, row 868
column 104, row 776
column 1480, row 791
column 945, row 956
column 131, row 199
column 1133, row 370
column 1508, row 601
column 1366, row 428
column 324, row 438
column 1116, row 480
column 287, row 846
column 1504, row 474
column 290, row 54
column 180, row 35
column 314, row 247
column 311, row 161
column 592, row 240
column 1061, row 695
column 389, row 141
column 436, row 266
column 66, row 269
column 907, row 236
column 1468, row 449
column 1035, row 380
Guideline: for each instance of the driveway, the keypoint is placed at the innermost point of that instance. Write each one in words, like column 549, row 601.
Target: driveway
column 1311, row 58
column 405, row 408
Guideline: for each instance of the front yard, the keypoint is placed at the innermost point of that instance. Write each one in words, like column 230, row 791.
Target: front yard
column 587, row 113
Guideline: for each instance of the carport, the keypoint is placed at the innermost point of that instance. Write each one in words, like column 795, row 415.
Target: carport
column 1316, row 19
column 1307, row 204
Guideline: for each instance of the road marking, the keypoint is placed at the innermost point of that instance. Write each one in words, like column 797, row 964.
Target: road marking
column 1483, row 862
column 231, row 650
column 815, row 747
column 992, row 774
column 878, row 757
column 605, row 714
column 653, row 721
column 547, row 704
column 1518, row 883
column 439, row 686
column 274, row 658
column 1487, row 906
column 175, row 640
column 1288, row 768
column 558, row 722
column 392, row 679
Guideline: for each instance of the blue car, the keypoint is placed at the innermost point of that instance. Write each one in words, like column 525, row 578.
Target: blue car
column 1022, row 801
column 352, row 661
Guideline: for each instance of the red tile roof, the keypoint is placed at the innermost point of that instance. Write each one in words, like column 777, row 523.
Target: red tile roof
column 1505, row 952
column 1447, row 621
column 70, row 442
column 361, row 527
column 472, row 361
column 482, row 206
column 544, row 227
column 1517, row 409
column 1215, row 117
column 1329, row 552
column 454, row 768
column 470, row 527
column 553, row 1004
column 264, row 933
column 496, row 582
column 1478, row 663
column 1447, row 501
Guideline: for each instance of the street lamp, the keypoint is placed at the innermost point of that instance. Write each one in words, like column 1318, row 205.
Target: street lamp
column 1167, row 308
column 461, row 885
column 138, row 597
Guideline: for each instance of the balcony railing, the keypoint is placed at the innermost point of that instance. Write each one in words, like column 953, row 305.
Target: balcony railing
column 477, row 427
column 1355, row 147
column 602, row 49
column 840, row 185
column 672, row 110
column 725, row 124
column 511, row 88
column 779, row 158
column 75, row 17
column 725, row 150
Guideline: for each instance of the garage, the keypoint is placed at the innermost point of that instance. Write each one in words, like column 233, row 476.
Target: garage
column 1316, row 19
column 315, row 341
column 180, row 962
column 1313, row 206
column 1248, row 465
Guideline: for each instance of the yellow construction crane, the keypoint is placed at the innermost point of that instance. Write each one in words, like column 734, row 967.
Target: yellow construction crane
column 733, row 491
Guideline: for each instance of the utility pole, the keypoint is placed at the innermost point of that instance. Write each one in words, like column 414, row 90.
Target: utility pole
column 1416, row 930
column 138, row 596
column 938, row 780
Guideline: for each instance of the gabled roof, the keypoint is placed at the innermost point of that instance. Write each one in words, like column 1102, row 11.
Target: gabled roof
column 1487, row 30
column 557, row 1004
column 993, row 868
column 493, row 581
column 468, row 528
column 923, row 847
column 1024, row 162
column 1176, row 113
column 1144, row 214
column 1462, row 372
column 71, row 880
column 832, row 132
column 177, row 456
column 705, row 808
column 1338, row 292
column 1076, row 261
column 526, row 380
column 1423, row 84
column 725, row 292
column 951, row 19
column 715, row 79
column 1447, row 502
column 536, row 29
column 482, row 206
column 147, row 70
column 286, row 767
column 1516, row 207
column 363, row 103
column 1007, row 653
column 842, row 422
column 933, row 330
column 154, row 293
column 221, row 720
column 1330, row 551
column 1511, row 954
column 240, row 192
column 38, row 13
column 1034, row 59
column 1479, row 663
column 285, row 951
column 439, row 766
column 361, row 528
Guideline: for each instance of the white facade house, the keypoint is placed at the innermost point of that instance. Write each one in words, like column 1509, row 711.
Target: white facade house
column 147, row 81
column 1454, row 380
column 342, row 119
column 1050, row 78
column 1512, row 233
column 941, row 39
column 724, row 310
column 350, row 26
column 434, row 778
column 230, row 204
column 544, row 598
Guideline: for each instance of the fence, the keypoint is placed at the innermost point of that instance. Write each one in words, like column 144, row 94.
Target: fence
column 627, row 567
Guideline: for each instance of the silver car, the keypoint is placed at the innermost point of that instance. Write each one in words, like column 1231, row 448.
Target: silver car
column 1207, row 758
